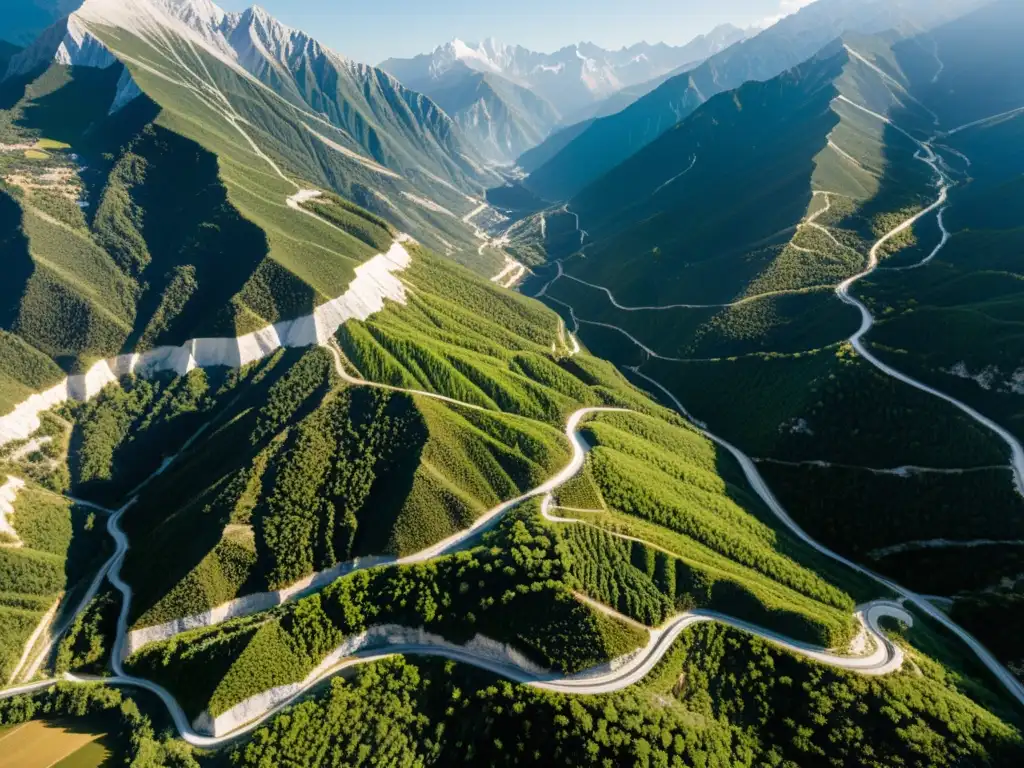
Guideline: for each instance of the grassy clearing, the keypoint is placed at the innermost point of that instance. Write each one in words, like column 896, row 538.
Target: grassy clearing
column 52, row 144
column 62, row 546
column 39, row 744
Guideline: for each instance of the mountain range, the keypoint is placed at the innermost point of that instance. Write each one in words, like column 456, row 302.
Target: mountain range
column 329, row 439
column 610, row 140
column 510, row 98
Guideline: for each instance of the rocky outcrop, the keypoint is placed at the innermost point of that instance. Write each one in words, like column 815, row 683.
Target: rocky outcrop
column 70, row 43
column 8, row 493
column 246, row 606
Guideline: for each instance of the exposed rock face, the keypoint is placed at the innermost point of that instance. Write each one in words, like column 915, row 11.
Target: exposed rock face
column 375, row 282
column 67, row 42
column 8, row 493
column 383, row 637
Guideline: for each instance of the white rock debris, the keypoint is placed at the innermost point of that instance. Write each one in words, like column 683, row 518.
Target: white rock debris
column 796, row 426
column 990, row 378
column 247, row 605
column 375, row 282
column 430, row 205
column 376, row 637
column 8, row 493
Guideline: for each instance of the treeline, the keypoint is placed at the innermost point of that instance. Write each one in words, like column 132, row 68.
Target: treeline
column 133, row 734
column 753, row 705
column 514, row 589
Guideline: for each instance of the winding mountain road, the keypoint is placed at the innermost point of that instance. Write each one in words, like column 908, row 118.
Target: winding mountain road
column 622, row 674
column 927, row 155
column 885, row 658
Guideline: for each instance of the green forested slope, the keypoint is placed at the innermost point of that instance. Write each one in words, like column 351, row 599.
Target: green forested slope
column 772, row 373
column 719, row 699
column 61, row 547
column 511, row 590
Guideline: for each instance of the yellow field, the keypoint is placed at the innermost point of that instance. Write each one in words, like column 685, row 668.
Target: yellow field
column 51, row 144
column 39, row 745
column 92, row 755
column 35, row 154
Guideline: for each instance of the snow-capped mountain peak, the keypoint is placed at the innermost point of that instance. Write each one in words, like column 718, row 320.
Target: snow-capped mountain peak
column 248, row 41
column 569, row 78
column 194, row 12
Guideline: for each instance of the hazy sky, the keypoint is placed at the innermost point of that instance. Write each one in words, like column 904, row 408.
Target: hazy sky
column 372, row 30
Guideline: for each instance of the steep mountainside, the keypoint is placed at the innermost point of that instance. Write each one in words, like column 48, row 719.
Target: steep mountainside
column 24, row 20
column 871, row 290
column 497, row 117
column 280, row 485
column 124, row 186
column 611, row 140
column 533, row 159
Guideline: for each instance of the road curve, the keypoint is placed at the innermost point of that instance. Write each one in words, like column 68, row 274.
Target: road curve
column 885, row 659
column 927, row 155
column 661, row 640
column 1005, row 677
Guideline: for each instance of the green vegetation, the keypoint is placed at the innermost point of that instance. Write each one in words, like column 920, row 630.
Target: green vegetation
column 63, row 545
column 581, row 492
column 122, row 435
column 371, row 229
column 840, row 507
column 949, row 571
column 995, row 618
column 512, row 589
column 459, row 337
column 784, row 323
column 827, row 405
column 669, row 487
column 131, row 731
column 972, row 293
column 326, row 473
column 87, row 644
column 720, row 698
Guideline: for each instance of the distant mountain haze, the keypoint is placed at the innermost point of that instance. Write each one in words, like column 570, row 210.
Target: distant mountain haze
column 794, row 39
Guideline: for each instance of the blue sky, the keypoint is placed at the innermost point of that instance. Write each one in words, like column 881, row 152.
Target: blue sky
column 372, row 30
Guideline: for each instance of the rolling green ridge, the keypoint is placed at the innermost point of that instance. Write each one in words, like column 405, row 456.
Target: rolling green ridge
column 510, row 590
column 713, row 240
column 772, row 373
